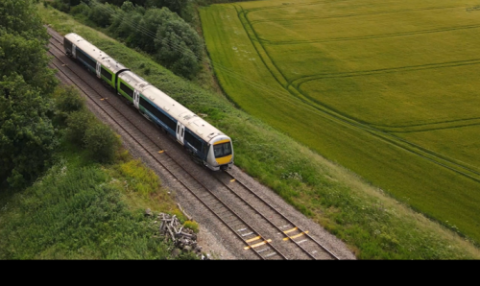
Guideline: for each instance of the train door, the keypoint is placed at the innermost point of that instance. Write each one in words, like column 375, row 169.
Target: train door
column 180, row 132
column 74, row 51
column 136, row 99
column 99, row 66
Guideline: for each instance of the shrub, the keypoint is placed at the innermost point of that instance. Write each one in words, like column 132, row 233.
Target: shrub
column 82, row 9
column 102, row 14
column 77, row 125
column 70, row 100
column 101, row 142
column 178, row 47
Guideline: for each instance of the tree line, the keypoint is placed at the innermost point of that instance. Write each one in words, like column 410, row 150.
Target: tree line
column 36, row 115
column 154, row 26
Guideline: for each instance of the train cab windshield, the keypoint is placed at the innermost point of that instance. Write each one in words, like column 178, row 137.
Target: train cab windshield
column 222, row 150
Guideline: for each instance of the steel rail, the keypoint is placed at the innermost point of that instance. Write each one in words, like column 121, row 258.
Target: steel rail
column 278, row 213
column 171, row 158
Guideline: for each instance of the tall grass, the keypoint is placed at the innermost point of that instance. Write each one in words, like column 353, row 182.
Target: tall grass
column 76, row 214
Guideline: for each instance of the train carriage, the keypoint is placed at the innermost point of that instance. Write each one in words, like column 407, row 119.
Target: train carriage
column 200, row 138
column 96, row 61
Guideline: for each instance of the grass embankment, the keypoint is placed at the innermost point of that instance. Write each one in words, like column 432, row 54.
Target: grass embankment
column 81, row 209
column 374, row 225
column 382, row 88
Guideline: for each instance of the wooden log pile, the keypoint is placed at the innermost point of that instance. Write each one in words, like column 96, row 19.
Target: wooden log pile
column 183, row 238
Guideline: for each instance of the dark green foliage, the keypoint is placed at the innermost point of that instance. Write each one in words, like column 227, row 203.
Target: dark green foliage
column 20, row 17
column 102, row 14
column 173, row 5
column 27, row 137
column 60, row 5
column 22, row 45
column 27, row 57
column 128, row 29
column 77, row 124
column 100, row 141
column 70, row 100
column 160, row 32
column 179, row 47
column 81, row 9
column 127, row 6
column 153, row 19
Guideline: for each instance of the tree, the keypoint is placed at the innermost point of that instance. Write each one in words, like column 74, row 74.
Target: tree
column 20, row 17
column 179, row 47
column 27, row 57
column 153, row 19
column 173, row 5
column 27, row 137
column 102, row 14
column 100, row 141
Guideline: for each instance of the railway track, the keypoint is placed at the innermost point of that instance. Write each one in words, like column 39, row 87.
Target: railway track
column 256, row 223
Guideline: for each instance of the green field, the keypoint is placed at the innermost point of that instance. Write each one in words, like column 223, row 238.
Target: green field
column 387, row 89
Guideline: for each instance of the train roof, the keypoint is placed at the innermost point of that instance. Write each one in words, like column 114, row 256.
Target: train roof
column 135, row 81
column 95, row 52
column 185, row 116
column 192, row 121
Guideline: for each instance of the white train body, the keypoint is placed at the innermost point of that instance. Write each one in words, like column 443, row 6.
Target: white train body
column 205, row 142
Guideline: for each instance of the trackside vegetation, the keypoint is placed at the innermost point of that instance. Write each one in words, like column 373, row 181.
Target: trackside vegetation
column 382, row 88
column 373, row 224
column 68, row 190
column 90, row 204
column 149, row 26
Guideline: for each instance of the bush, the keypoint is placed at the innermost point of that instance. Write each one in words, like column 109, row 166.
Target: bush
column 70, row 100
column 101, row 142
column 59, row 5
column 102, row 14
column 77, row 124
column 82, row 9
column 179, row 47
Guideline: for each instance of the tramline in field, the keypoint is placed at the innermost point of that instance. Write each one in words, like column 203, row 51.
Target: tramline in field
column 205, row 142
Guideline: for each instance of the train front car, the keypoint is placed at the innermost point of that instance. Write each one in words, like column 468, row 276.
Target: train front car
column 220, row 155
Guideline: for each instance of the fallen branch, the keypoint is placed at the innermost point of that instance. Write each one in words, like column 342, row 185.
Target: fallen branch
column 189, row 217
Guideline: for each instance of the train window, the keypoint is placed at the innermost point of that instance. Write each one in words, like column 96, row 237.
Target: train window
column 106, row 74
column 196, row 143
column 158, row 114
column 86, row 59
column 222, row 150
column 126, row 89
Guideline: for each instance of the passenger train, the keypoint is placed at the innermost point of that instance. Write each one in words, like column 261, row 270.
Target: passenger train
column 205, row 142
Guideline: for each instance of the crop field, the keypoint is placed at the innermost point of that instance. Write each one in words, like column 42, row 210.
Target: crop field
column 388, row 89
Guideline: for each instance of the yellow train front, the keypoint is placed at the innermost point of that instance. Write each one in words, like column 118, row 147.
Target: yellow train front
column 220, row 155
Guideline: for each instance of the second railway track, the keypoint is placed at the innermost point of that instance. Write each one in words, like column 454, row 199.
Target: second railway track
column 260, row 228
